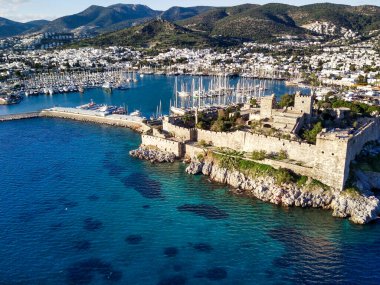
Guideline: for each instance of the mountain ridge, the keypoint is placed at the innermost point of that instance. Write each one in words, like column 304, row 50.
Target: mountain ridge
column 245, row 22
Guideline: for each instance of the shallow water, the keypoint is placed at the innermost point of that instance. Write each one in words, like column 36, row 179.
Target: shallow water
column 76, row 209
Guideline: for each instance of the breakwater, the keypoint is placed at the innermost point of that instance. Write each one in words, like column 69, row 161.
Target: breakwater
column 135, row 123
column 20, row 116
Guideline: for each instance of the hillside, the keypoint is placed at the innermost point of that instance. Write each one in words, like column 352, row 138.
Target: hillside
column 10, row 28
column 271, row 20
column 96, row 18
column 159, row 34
column 181, row 13
column 243, row 22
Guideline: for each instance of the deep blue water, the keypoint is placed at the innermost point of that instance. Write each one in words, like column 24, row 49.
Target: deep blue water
column 76, row 209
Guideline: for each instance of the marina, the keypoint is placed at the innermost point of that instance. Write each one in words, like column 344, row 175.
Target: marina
column 218, row 91
column 145, row 95
column 70, row 82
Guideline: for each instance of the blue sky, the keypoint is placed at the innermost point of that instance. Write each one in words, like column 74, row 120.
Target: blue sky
column 26, row 10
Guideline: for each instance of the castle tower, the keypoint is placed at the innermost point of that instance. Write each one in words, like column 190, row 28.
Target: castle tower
column 303, row 103
column 267, row 104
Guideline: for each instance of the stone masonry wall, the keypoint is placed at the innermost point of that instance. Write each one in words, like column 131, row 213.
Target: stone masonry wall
column 328, row 161
column 334, row 155
column 179, row 132
column 247, row 142
column 303, row 103
column 164, row 144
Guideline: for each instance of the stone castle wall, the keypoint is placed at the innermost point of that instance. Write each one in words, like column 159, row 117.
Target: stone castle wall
column 164, row 144
column 328, row 161
column 193, row 151
column 334, row 155
column 329, row 164
column 371, row 132
column 179, row 132
column 247, row 142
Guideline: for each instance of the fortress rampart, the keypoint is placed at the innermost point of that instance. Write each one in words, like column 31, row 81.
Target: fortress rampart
column 328, row 160
column 164, row 144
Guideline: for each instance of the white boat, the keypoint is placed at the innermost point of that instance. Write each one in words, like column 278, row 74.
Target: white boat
column 178, row 111
column 107, row 86
column 183, row 94
column 136, row 113
column 103, row 108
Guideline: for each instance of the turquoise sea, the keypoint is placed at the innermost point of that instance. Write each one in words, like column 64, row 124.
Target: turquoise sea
column 76, row 209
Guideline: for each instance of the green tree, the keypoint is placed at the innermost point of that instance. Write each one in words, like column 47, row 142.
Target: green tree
column 287, row 100
column 218, row 126
column 311, row 135
column 253, row 101
column 362, row 80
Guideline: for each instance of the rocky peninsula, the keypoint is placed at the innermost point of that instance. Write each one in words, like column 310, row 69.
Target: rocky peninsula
column 359, row 208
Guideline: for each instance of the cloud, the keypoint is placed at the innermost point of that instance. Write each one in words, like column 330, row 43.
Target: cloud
column 11, row 9
column 10, row 3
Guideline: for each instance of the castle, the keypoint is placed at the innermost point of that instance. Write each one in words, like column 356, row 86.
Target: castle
column 327, row 161
column 289, row 119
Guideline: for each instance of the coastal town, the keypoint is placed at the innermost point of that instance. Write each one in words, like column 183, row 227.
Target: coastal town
column 344, row 68
column 209, row 143
column 314, row 137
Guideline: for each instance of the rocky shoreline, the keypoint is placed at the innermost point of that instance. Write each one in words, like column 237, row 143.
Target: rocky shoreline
column 360, row 209
column 153, row 155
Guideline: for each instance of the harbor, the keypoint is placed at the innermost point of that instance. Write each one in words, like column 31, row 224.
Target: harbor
column 67, row 82
column 145, row 95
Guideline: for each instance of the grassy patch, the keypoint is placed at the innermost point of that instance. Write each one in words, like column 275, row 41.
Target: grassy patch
column 302, row 180
column 259, row 155
column 316, row 183
column 253, row 169
column 352, row 192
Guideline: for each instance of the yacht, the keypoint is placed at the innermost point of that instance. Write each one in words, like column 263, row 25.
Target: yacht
column 136, row 113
